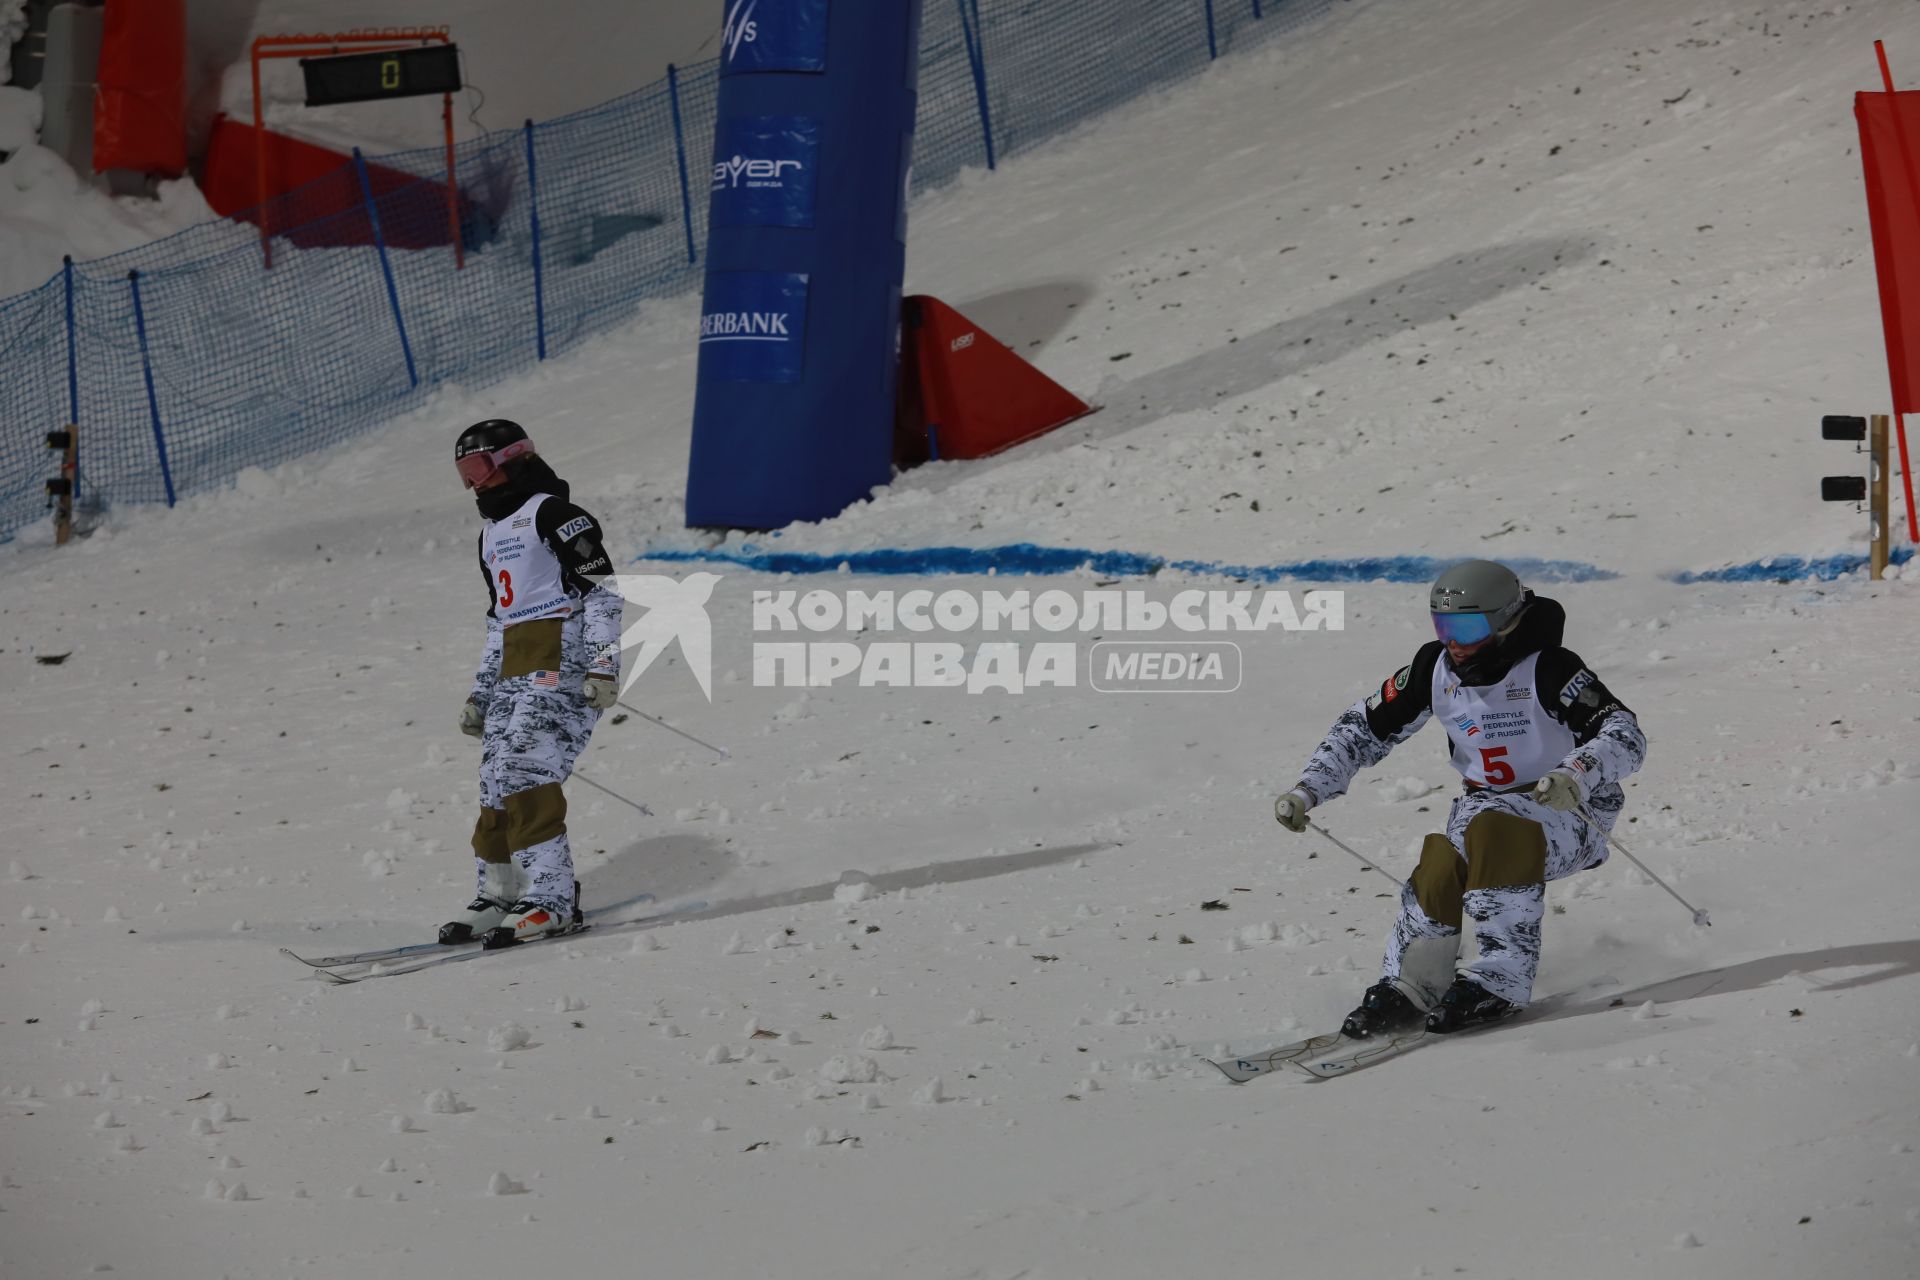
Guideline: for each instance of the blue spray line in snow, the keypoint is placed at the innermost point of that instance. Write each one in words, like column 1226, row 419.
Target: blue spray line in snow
column 1790, row 568
column 1024, row 559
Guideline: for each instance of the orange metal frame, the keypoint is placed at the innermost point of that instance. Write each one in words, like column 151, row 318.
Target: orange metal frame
column 371, row 41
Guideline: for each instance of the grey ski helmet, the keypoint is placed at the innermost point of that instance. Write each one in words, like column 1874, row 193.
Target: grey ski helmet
column 1475, row 600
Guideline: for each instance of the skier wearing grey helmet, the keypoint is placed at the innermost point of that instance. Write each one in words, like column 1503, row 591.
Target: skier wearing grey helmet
column 1539, row 742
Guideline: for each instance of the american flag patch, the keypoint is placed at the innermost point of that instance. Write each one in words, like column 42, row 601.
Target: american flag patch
column 544, row 679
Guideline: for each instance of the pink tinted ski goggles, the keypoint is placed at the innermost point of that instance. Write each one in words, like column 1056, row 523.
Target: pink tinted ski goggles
column 1462, row 628
column 477, row 468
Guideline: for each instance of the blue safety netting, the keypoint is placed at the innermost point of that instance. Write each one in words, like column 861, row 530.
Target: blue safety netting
column 254, row 339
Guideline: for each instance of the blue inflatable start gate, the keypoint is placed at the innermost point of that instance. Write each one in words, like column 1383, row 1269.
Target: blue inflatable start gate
column 806, row 248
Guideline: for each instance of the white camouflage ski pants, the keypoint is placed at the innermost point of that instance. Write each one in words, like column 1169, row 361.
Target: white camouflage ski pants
column 1491, row 869
column 536, row 727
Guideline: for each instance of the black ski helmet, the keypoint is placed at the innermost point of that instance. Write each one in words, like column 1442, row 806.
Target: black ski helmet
column 493, row 446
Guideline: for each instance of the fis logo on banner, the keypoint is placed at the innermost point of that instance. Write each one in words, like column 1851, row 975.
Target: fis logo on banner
column 753, row 327
column 774, row 35
column 763, row 168
column 741, row 28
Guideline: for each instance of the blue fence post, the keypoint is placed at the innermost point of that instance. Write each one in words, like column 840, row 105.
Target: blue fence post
column 539, row 280
column 680, row 149
column 73, row 369
column 386, row 268
column 1257, row 15
column 146, row 371
column 975, row 37
column 1213, row 48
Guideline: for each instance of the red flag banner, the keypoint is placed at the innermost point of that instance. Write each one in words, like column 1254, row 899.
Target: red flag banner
column 1889, row 135
column 1887, row 120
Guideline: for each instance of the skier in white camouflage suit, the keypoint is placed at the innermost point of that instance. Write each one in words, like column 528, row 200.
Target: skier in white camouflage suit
column 550, row 667
column 1536, row 736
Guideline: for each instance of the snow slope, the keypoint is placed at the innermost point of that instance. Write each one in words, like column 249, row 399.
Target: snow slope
column 983, row 1061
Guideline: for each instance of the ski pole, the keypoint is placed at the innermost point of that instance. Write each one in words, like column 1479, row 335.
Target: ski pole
column 610, row 791
column 1329, row 835
column 722, row 752
column 1699, row 916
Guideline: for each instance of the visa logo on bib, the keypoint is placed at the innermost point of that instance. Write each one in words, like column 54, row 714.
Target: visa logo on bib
column 774, row 35
column 753, row 326
column 763, row 171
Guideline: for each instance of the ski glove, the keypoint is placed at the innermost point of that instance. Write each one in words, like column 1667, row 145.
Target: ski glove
column 473, row 719
column 1558, row 790
column 1290, row 810
column 600, row 691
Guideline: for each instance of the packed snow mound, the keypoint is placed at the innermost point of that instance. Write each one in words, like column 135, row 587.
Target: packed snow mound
column 47, row 212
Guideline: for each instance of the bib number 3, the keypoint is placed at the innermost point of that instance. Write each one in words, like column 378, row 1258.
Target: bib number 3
column 506, row 602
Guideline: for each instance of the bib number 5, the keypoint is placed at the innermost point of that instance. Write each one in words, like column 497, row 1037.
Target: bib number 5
column 1498, row 772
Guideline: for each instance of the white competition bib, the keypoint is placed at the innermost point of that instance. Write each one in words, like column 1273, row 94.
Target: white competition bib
column 527, row 583
column 1502, row 736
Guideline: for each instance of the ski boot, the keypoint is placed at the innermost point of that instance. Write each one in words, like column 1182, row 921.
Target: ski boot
column 529, row 921
column 1467, row 1004
column 1384, row 1010
column 499, row 887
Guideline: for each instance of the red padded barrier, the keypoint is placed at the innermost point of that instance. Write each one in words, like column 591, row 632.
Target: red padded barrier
column 140, row 98
column 963, row 394
column 314, row 197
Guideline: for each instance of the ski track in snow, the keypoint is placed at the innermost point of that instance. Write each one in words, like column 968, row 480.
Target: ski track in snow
column 945, row 1013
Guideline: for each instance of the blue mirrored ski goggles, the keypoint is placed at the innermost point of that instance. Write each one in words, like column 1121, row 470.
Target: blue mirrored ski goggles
column 1462, row 628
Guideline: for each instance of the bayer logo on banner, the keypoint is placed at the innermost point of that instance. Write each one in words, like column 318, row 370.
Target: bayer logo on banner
column 763, row 171
column 753, row 326
column 774, row 35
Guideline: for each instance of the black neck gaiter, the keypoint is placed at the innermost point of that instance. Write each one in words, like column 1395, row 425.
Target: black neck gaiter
column 525, row 477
